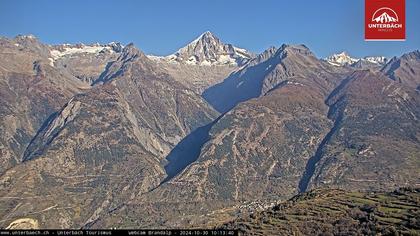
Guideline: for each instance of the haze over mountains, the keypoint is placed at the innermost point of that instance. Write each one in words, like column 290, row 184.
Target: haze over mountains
column 101, row 136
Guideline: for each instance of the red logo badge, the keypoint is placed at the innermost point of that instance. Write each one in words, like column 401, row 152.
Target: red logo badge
column 384, row 19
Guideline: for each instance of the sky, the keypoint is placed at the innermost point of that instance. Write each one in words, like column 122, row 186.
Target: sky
column 160, row 27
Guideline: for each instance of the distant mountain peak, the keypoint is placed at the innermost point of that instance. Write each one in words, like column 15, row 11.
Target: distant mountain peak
column 412, row 55
column 204, row 43
column 130, row 52
column 207, row 34
column 405, row 69
column 344, row 59
column 62, row 50
column 341, row 59
column 208, row 50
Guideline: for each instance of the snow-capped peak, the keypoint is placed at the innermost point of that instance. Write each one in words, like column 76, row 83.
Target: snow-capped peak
column 344, row 59
column 208, row 50
column 341, row 59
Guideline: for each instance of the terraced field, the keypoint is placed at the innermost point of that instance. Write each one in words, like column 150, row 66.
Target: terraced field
column 336, row 212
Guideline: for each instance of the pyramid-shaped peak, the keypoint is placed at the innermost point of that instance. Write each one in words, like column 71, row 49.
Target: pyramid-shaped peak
column 207, row 34
column 208, row 49
column 205, row 38
column 130, row 52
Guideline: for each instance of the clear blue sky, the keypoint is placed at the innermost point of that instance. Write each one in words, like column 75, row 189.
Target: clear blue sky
column 160, row 27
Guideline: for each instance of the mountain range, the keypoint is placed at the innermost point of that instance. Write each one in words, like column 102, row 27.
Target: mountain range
column 369, row 62
column 104, row 136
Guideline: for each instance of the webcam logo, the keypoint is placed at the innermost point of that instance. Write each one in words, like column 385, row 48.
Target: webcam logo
column 385, row 15
column 384, row 20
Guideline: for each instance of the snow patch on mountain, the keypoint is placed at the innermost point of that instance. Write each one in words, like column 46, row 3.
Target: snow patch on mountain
column 377, row 60
column 59, row 51
column 341, row 59
column 344, row 59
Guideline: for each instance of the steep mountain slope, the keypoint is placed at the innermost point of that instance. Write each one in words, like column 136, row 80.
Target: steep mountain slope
column 259, row 148
column 405, row 69
column 270, row 69
column 336, row 212
column 374, row 143
column 31, row 90
column 195, row 77
column 104, row 147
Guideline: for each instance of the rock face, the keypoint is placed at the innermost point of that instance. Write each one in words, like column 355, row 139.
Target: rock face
column 24, row 223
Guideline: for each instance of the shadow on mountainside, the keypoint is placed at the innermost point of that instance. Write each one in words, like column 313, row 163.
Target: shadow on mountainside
column 187, row 150
column 336, row 113
column 240, row 86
